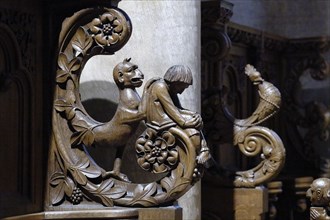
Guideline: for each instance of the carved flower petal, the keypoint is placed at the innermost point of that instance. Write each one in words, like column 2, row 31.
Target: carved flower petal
column 150, row 133
column 119, row 26
column 147, row 157
column 163, row 146
column 172, row 160
column 139, row 148
column 169, row 138
column 95, row 29
column 106, row 18
column 164, row 154
column 141, row 140
column 148, row 146
column 113, row 38
column 101, row 39
column 158, row 142
column 159, row 168
column 96, row 22
column 174, row 153
column 151, row 159
column 141, row 161
column 161, row 159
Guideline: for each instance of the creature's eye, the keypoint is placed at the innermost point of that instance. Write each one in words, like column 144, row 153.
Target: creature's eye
column 130, row 69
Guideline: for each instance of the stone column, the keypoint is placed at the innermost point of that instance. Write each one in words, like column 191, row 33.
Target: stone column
column 164, row 33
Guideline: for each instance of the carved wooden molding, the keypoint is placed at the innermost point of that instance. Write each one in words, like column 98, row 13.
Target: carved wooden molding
column 74, row 177
column 20, row 115
column 306, row 55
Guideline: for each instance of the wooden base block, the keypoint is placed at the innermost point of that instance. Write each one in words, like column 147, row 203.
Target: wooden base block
column 159, row 213
column 234, row 204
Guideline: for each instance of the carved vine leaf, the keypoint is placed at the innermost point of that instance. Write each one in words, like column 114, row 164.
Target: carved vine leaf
column 175, row 182
column 245, row 179
column 143, row 195
column 81, row 171
column 107, row 192
column 81, row 42
column 66, row 68
column 61, row 105
column 61, row 185
column 271, row 165
column 83, row 135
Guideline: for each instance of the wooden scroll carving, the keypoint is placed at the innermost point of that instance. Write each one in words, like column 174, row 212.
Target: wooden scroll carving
column 253, row 139
column 172, row 142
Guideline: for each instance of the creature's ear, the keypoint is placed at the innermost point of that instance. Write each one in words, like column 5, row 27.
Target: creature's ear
column 120, row 77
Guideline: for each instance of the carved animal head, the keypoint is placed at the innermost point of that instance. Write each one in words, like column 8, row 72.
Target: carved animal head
column 319, row 193
column 127, row 75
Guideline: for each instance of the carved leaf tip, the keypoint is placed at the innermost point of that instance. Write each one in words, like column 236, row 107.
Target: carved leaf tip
column 249, row 69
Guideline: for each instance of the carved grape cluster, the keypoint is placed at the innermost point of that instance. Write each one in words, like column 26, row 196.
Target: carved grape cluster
column 76, row 196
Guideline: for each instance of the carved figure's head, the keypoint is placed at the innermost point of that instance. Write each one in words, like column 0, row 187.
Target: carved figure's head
column 319, row 193
column 179, row 77
column 127, row 75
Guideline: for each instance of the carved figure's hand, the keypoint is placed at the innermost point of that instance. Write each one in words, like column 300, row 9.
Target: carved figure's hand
column 316, row 215
column 194, row 122
column 205, row 155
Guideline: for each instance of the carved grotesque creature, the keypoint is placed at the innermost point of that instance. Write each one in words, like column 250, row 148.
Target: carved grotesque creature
column 127, row 117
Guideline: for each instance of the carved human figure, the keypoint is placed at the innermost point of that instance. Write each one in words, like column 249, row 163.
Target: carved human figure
column 319, row 193
column 128, row 115
column 164, row 109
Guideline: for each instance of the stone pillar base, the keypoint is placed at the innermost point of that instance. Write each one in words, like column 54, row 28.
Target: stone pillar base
column 159, row 213
column 234, row 204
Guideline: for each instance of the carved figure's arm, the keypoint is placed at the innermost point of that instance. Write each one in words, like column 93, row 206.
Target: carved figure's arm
column 188, row 112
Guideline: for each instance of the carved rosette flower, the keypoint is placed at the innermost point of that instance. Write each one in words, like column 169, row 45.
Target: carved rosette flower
column 156, row 154
column 107, row 29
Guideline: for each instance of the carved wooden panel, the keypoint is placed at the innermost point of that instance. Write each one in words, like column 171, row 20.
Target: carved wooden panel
column 20, row 119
